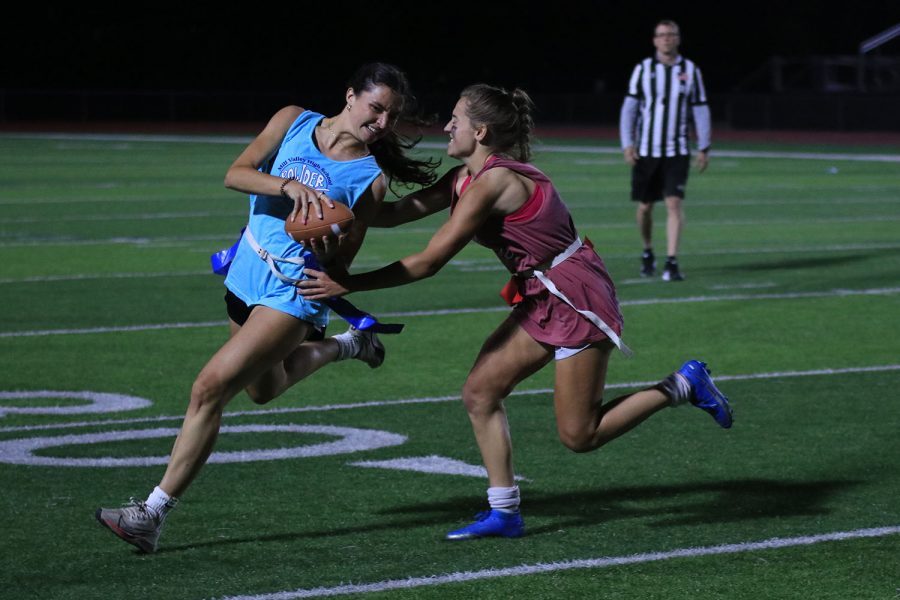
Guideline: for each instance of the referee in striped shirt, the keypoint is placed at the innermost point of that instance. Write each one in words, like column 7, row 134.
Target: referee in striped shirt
column 665, row 99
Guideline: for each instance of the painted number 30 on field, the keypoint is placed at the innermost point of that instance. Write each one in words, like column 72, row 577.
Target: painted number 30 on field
column 23, row 451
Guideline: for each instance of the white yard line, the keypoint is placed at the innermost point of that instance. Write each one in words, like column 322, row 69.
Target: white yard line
column 771, row 199
column 129, row 137
column 93, row 276
column 438, row 399
column 473, row 265
column 206, row 214
column 577, row 149
column 551, row 148
column 412, row 582
column 792, row 221
column 120, row 329
column 836, row 293
column 148, row 242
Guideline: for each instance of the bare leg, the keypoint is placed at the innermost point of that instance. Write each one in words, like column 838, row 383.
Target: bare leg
column 266, row 338
column 674, row 224
column 644, row 217
column 306, row 359
column 583, row 423
column 508, row 356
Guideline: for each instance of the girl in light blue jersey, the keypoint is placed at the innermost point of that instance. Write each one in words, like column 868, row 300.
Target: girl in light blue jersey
column 301, row 158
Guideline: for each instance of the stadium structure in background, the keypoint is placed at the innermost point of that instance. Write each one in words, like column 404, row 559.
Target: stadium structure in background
column 839, row 92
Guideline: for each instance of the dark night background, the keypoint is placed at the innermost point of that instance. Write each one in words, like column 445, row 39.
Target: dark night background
column 306, row 51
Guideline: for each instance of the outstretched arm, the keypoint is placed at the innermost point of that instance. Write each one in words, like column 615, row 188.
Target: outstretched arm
column 417, row 205
column 470, row 213
column 336, row 254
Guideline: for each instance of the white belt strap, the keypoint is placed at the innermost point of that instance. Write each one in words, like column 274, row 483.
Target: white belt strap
column 572, row 249
column 590, row 316
column 271, row 259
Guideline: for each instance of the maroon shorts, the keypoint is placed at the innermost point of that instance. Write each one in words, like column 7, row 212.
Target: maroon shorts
column 585, row 282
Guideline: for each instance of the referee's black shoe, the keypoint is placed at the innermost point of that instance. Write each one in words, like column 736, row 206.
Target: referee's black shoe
column 671, row 272
column 648, row 264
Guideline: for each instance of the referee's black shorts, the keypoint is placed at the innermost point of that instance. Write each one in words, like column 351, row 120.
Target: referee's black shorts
column 653, row 179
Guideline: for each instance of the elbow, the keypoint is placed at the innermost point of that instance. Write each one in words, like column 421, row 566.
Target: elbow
column 230, row 179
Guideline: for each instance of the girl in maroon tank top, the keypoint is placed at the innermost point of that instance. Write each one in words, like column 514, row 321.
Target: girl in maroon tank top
column 565, row 305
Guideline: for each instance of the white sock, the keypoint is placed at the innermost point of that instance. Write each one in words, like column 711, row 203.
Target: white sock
column 504, row 499
column 348, row 345
column 161, row 502
column 677, row 388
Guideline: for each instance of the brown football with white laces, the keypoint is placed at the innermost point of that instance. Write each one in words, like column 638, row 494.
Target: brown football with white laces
column 334, row 221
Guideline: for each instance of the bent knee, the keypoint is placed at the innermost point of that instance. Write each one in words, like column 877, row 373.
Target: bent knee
column 260, row 394
column 481, row 399
column 578, row 440
column 207, row 392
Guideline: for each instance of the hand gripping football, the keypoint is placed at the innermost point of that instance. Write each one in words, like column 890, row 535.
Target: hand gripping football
column 334, row 221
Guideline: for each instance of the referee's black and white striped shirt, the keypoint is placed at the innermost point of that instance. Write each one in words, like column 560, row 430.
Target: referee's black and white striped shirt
column 662, row 103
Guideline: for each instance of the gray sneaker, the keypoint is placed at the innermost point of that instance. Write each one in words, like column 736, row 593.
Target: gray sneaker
column 135, row 522
column 371, row 350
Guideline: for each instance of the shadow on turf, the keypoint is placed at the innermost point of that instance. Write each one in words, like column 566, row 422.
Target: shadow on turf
column 817, row 262
column 284, row 536
column 666, row 505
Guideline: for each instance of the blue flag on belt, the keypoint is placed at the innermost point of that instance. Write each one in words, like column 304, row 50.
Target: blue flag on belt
column 359, row 319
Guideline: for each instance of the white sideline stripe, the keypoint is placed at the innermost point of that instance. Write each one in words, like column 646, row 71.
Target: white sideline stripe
column 439, row 399
column 568, row 565
column 552, row 148
column 91, row 276
column 226, row 239
column 131, row 217
column 129, row 137
column 584, row 225
column 787, row 296
column 124, row 328
column 771, row 199
column 154, row 242
column 490, row 309
column 464, row 265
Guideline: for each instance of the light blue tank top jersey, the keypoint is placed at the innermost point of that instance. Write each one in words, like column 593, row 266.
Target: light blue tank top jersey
column 249, row 277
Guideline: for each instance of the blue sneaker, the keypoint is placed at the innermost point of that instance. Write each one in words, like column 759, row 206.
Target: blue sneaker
column 705, row 394
column 491, row 523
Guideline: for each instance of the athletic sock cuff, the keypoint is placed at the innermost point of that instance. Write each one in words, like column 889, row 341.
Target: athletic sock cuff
column 161, row 502
column 504, row 498
column 676, row 387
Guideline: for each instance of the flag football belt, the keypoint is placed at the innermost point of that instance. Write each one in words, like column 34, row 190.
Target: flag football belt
column 359, row 319
column 511, row 294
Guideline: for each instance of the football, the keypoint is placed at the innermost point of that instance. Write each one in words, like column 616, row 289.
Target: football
column 334, row 221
